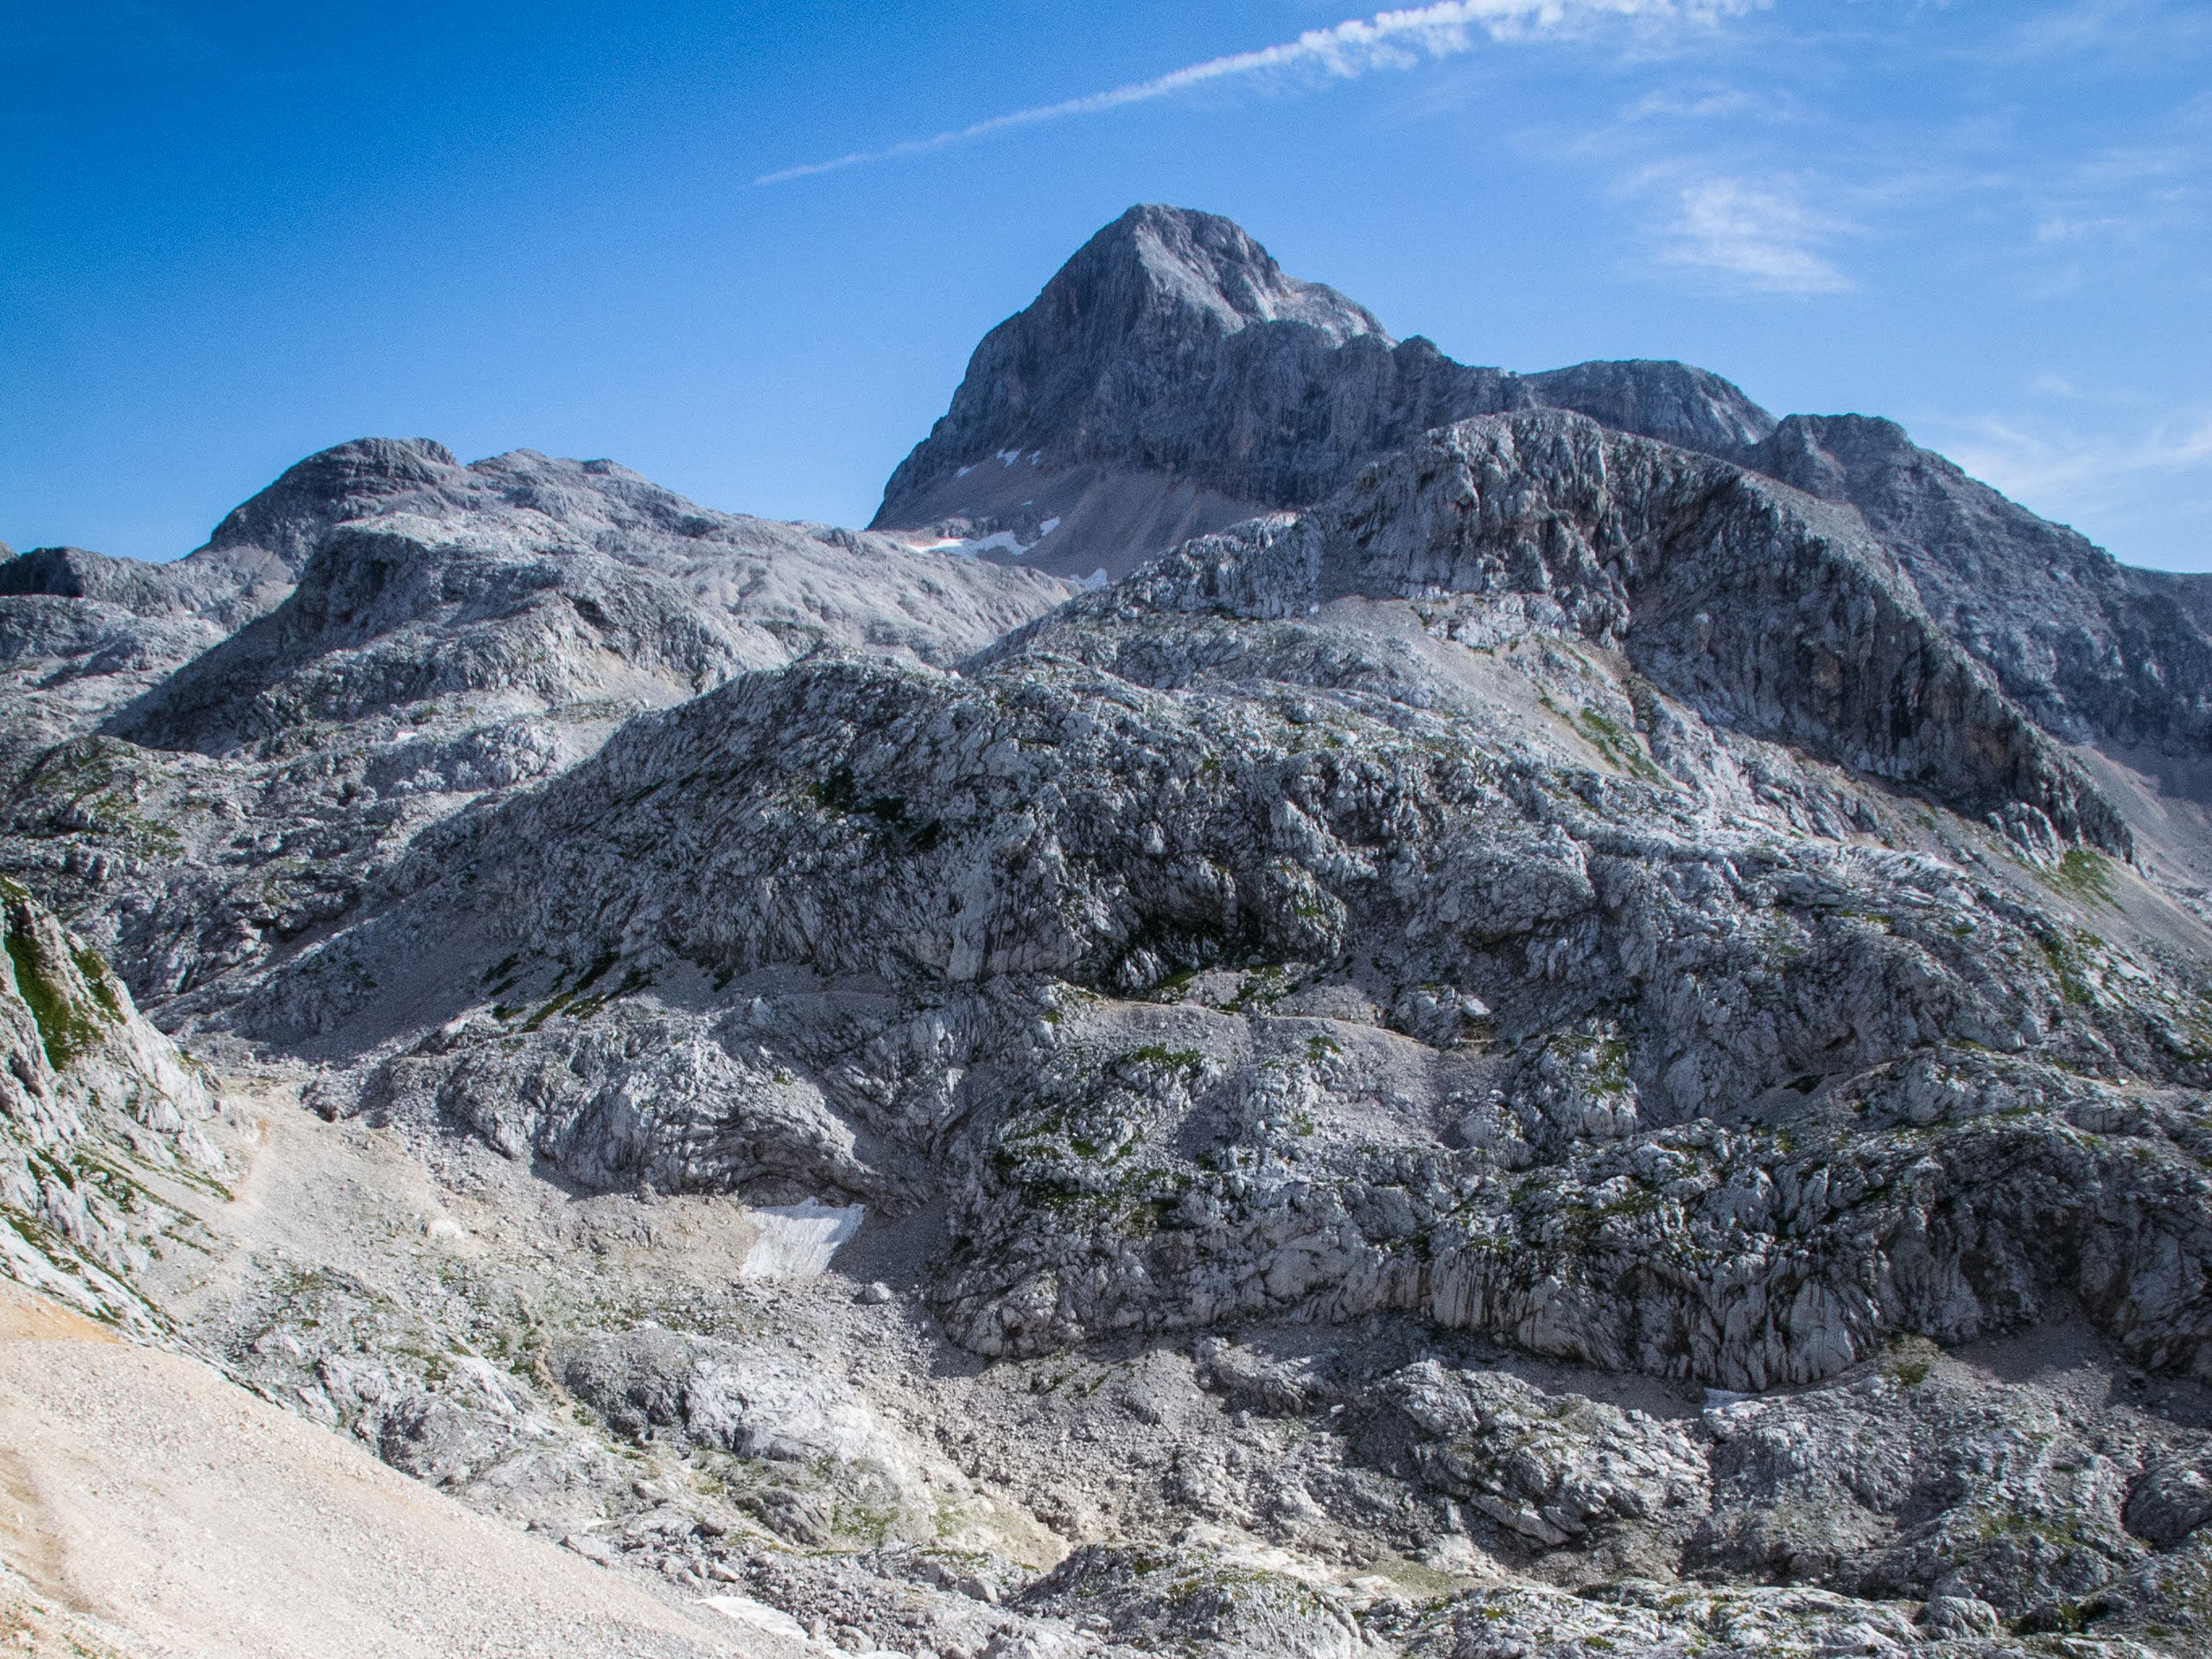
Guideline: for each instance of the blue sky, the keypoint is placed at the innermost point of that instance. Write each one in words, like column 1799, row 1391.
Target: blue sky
column 231, row 234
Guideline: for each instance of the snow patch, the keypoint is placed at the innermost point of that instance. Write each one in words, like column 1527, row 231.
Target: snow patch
column 999, row 540
column 1047, row 527
column 1007, row 457
column 1096, row 579
column 963, row 472
column 773, row 1621
column 797, row 1240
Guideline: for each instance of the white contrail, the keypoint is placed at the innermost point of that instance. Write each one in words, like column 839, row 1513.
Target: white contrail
column 1389, row 40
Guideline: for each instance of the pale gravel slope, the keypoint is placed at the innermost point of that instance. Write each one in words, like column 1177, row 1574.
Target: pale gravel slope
column 175, row 1513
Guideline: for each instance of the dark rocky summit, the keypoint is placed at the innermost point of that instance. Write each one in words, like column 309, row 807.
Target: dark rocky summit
column 1171, row 380
column 1571, row 1022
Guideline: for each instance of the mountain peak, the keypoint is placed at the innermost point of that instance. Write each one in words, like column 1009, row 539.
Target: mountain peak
column 1172, row 346
column 290, row 517
column 1175, row 263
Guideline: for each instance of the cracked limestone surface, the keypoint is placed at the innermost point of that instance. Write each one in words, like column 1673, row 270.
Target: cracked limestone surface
column 445, row 633
column 1584, row 1045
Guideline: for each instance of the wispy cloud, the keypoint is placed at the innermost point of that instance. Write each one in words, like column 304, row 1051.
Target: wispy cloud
column 1389, row 40
column 2109, row 25
column 2088, row 476
column 1707, row 103
column 2059, row 230
column 2010, row 456
column 1754, row 235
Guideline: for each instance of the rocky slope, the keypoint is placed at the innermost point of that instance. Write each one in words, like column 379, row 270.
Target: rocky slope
column 1171, row 380
column 452, row 631
column 1563, row 1050
column 98, row 1115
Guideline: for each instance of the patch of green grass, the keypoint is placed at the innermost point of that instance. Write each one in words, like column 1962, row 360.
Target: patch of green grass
column 549, row 1010
column 1261, row 988
column 101, row 983
column 1166, row 1059
column 1619, row 747
column 2084, row 876
column 66, row 1029
column 2071, row 986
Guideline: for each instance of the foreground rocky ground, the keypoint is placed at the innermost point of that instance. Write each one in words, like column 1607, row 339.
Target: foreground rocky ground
column 1559, row 1051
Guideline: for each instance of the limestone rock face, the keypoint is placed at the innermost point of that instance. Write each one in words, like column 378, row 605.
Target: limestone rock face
column 90, row 1094
column 1549, row 1469
column 1332, row 919
column 1578, row 1030
column 1171, row 380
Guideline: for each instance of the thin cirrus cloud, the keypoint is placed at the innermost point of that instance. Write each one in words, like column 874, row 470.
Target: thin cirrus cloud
column 2145, row 494
column 1359, row 46
column 2068, row 468
column 1757, row 236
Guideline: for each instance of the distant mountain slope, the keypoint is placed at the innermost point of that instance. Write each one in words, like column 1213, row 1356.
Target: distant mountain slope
column 248, row 565
column 1171, row 380
column 195, row 797
column 553, row 581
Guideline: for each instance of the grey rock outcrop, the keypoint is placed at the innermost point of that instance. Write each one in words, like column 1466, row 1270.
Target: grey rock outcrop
column 1149, row 1600
column 453, row 632
column 2173, row 1498
column 1665, row 1076
column 1171, row 380
column 1549, row 1469
column 1238, row 1113
column 93, row 1102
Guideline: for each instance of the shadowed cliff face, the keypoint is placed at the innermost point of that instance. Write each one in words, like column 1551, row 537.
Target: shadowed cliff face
column 1171, row 380
column 2095, row 651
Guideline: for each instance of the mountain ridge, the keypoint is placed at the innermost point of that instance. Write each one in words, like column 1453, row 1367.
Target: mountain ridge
column 1577, row 1029
column 1171, row 427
